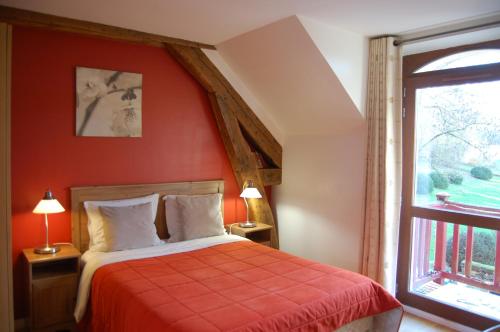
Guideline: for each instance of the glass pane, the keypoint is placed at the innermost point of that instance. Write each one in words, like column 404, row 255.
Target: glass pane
column 458, row 147
column 456, row 264
column 463, row 59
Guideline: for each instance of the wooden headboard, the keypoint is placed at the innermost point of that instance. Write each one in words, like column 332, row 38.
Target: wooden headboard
column 79, row 195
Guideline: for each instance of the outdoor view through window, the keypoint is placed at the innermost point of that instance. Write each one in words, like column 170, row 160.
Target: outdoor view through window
column 458, row 144
column 457, row 168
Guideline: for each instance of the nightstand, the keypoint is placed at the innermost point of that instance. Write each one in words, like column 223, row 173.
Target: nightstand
column 52, row 283
column 260, row 233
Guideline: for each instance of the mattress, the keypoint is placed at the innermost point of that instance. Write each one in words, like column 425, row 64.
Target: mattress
column 221, row 283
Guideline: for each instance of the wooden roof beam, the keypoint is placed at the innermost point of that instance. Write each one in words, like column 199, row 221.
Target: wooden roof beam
column 30, row 18
column 243, row 161
column 200, row 66
column 270, row 176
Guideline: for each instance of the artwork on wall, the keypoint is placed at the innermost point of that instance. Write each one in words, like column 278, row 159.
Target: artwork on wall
column 108, row 103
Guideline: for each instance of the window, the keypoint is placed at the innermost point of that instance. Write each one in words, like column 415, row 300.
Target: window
column 449, row 253
column 457, row 145
column 463, row 59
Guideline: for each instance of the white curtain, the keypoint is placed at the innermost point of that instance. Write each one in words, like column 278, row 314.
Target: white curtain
column 384, row 161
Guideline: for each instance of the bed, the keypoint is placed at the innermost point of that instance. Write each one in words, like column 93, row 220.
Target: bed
column 217, row 283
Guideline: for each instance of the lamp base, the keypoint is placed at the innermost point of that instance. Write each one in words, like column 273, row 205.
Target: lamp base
column 46, row 250
column 247, row 224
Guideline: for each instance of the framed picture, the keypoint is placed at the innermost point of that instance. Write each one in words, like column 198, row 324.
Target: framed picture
column 108, row 103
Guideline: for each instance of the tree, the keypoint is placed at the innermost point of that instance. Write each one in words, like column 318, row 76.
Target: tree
column 452, row 122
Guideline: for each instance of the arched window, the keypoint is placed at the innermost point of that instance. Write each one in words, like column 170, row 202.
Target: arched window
column 450, row 229
column 463, row 59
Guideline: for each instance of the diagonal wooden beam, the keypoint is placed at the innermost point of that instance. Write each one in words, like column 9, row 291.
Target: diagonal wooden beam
column 243, row 161
column 270, row 176
column 35, row 19
column 200, row 66
column 233, row 116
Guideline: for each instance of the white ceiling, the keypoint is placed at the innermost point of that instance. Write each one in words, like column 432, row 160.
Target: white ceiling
column 214, row 21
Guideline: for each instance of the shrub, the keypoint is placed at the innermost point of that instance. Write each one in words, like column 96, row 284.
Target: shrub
column 440, row 181
column 455, row 178
column 424, row 184
column 483, row 248
column 481, row 172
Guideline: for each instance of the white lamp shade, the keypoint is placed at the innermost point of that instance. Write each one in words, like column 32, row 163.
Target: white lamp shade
column 48, row 206
column 251, row 192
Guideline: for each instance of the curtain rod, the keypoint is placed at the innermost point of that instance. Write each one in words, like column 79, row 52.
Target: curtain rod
column 401, row 41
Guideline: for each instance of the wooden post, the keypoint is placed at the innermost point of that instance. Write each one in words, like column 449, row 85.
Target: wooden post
column 415, row 251
column 243, row 162
column 468, row 251
column 440, row 252
column 418, row 248
column 6, row 296
column 233, row 116
column 428, row 224
column 496, row 281
column 421, row 248
column 456, row 243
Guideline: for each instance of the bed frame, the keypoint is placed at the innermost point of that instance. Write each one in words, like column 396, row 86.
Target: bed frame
column 79, row 195
column 388, row 321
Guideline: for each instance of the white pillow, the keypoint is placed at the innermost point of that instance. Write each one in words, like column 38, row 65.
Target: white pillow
column 173, row 217
column 175, row 220
column 95, row 222
column 128, row 227
column 201, row 216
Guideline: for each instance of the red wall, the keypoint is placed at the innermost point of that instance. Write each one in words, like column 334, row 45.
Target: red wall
column 180, row 138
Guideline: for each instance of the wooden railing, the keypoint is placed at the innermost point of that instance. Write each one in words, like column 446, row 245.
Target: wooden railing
column 424, row 271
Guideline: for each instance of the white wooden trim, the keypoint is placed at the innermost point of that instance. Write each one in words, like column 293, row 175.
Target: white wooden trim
column 6, row 304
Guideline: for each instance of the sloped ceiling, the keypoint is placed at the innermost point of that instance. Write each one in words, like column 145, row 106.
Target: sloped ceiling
column 346, row 52
column 283, row 67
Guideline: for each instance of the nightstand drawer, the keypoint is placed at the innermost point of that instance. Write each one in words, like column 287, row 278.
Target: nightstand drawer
column 262, row 237
column 52, row 280
column 261, row 233
column 54, row 299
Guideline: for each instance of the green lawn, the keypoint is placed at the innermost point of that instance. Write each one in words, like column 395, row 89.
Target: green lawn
column 472, row 191
column 476, row 192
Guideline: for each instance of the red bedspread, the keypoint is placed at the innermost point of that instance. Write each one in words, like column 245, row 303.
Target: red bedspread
column 239, row 286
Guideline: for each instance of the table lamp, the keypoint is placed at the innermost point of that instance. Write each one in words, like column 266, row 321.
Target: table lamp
column 249, row 191
column 47, row 205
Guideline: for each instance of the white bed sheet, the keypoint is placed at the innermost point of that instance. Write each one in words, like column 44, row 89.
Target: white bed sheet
column 91, row 261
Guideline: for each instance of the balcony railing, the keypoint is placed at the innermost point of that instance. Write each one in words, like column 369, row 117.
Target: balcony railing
column 424, row 269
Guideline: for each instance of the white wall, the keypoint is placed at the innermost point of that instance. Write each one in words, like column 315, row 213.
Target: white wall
column 346, row 52
column 319, row 205
column 307, row 80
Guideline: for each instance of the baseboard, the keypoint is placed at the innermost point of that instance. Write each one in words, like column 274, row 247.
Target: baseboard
column 20, row 324
column 439, row 320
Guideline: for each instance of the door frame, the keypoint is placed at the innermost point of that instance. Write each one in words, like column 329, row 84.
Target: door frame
column 411, row 82
column 6, row 297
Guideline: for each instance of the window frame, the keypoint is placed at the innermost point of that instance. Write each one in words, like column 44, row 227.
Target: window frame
column 411, row 82
column 418, row 70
